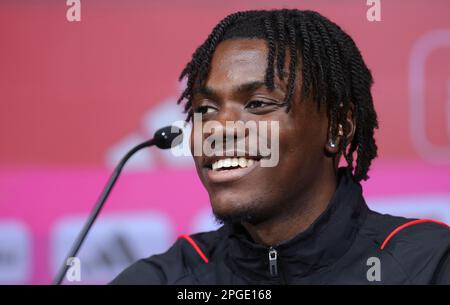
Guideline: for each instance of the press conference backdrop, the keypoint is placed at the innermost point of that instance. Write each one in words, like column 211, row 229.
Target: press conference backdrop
column 76, row 95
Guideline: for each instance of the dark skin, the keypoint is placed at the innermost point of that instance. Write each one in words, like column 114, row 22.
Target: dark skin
column 286, row 199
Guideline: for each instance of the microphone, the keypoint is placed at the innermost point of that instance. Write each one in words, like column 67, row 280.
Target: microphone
column 164, row 138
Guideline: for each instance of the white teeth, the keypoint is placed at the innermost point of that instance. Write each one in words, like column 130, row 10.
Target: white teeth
column 232, row 162
column 226, row 162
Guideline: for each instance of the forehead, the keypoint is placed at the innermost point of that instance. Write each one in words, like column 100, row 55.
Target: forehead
column 238, row 61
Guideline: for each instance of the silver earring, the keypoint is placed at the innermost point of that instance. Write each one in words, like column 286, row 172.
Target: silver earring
column 340, row 132
column 332, row 144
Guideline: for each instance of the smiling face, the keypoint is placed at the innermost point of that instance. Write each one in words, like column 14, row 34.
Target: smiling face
column 235, row 91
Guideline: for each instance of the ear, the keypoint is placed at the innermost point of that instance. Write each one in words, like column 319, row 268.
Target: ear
column 333, row 147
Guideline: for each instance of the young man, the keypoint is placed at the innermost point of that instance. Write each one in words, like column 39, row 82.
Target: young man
column 303, row 221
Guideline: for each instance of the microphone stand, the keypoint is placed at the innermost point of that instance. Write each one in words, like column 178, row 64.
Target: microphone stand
column 163, row 139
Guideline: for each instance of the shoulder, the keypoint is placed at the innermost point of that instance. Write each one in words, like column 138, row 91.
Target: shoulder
column 393, row 233
column 420, row 246
column 180, row 260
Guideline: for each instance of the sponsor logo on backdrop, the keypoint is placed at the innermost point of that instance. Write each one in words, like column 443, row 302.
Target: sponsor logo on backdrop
column 166, row 112
column 15, row 252
column 115, row 242
column 420, row 54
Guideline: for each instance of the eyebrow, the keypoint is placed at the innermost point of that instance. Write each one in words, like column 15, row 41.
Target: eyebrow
column 239, row 89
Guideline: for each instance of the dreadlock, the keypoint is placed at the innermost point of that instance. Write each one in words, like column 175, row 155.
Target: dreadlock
column 333, row 71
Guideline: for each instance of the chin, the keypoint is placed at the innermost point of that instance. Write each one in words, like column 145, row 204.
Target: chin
column 238, row 210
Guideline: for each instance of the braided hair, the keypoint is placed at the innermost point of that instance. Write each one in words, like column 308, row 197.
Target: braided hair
column 333, row 71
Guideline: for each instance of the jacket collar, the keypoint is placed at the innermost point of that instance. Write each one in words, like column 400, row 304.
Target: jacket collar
column 325, row 241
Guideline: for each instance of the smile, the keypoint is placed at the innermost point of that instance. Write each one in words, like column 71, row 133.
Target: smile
column 230, row 169
column 232, row 163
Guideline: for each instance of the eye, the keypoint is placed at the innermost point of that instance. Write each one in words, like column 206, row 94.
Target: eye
column 257, row 104
column 204, row 109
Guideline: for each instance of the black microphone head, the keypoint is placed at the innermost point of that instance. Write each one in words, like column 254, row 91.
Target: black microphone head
column 167, row 137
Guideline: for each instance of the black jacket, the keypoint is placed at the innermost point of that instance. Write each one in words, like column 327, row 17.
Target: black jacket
column 347, row 244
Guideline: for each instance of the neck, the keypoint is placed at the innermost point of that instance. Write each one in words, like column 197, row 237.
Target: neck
column 302, row 212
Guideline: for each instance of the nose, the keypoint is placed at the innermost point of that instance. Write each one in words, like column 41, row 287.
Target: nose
column 229, row 125
column 229, row 112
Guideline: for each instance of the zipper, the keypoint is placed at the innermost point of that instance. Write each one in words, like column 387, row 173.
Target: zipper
column 273, row 268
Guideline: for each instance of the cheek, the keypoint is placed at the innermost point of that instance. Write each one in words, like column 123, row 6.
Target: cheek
column 301, row 143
